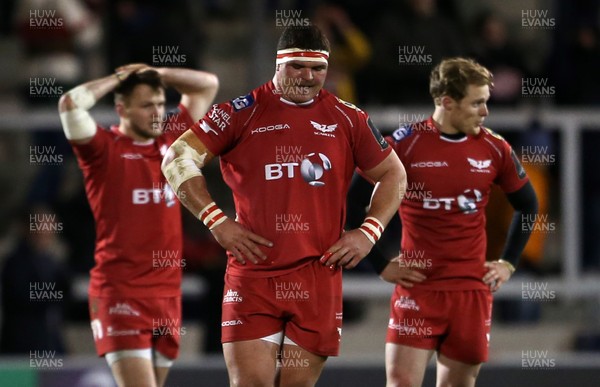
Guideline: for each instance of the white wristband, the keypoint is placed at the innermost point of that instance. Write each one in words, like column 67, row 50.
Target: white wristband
column 212, row 216
column 372, row 228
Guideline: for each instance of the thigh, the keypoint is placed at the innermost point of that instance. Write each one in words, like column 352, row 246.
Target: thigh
column 119, row 324
column 133, row 371
column 166, row 325
column 405, row 366
column 469, row 326
column 251, row 362
column 417, row 318
column 249, row 310
column 455, row 373
column 313, row 295
column 298, row 367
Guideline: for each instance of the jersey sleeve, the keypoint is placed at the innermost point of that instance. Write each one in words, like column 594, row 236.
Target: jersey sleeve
column 219, row 129
column 177, row 122
column 94, row 152
column 511, row 174
column 370, row 147
column 396, row 139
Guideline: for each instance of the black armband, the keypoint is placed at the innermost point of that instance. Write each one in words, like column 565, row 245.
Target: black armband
column 524, row 202
column 377, row 260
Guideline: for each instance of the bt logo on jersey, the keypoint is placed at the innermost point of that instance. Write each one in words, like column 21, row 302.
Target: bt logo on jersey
column 467, row 202
column 153, row 195
column 312, row 168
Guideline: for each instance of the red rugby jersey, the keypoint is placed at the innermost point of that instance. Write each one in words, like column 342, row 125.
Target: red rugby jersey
column 137, row 215
column 443, row 211
column 289, row 167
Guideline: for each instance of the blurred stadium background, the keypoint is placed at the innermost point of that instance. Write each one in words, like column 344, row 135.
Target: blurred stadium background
column 545, row 56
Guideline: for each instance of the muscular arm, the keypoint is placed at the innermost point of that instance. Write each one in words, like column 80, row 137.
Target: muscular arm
column 358, row 200
column 197, row 88
column 389, row 189
column 182, row 167
column 73, row 106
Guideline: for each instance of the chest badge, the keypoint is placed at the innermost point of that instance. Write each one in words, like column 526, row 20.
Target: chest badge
column 480, row 166
column 324, row 129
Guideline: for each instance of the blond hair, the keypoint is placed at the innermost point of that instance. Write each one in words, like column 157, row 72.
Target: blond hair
column 452, row 77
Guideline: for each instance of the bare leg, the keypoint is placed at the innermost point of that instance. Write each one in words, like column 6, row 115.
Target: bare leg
column 251, row 362
column 161, row 375
column 133, row 372
column 453, row 373
column 405, row 366
column 299, row 367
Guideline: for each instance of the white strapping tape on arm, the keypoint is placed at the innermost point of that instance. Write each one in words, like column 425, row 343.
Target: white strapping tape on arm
column 77, row 123
column 185, row 165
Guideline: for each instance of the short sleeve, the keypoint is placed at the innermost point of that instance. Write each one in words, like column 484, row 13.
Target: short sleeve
column 371, row 148
column 511, row 174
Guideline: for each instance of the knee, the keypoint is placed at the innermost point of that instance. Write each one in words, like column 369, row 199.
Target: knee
column 251, row 378
column 397, row 377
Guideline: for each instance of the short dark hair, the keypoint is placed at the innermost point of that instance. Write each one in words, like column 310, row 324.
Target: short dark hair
column 309, row 38
column 148, row 77
column 453, row 76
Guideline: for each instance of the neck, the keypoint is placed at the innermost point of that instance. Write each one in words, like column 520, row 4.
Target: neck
column 286, row 98
column 442, row 122
column 127, row 131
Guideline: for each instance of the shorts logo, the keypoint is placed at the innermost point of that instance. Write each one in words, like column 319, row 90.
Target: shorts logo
column 123, row 309
column 232, row 296
column 406, row 303
column 110, row 331
column 132, row 156
column 97, row 329
column 231, row 323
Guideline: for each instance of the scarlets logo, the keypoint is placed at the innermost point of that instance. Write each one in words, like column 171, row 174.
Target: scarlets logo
column 324, row 129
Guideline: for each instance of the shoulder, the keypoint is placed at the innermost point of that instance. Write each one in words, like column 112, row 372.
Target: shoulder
column 348, row 112
column 341, row 105
column 492, row 136
column 495, row 140
column 245, row 103
column 402, row 132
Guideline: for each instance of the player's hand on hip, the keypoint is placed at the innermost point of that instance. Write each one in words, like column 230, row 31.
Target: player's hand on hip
column 241, row 242
column 497, row 274
column 348, row 251
column 396, row 273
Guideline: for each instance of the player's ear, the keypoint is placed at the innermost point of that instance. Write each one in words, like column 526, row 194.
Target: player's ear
column 447, row 102
column 120, row 108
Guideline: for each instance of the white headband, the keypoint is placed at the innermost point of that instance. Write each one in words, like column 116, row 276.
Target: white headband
column 289, row 54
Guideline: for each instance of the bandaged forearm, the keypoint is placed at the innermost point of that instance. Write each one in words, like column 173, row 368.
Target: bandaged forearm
column 372, row 228
column 77, row 122
column 181, row 163
column 211, row 216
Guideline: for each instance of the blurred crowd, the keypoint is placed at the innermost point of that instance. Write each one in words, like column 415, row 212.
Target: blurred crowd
column 381, row 55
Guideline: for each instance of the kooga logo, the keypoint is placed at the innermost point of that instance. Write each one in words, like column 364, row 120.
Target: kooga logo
column 270, row 128
column 429, row 164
